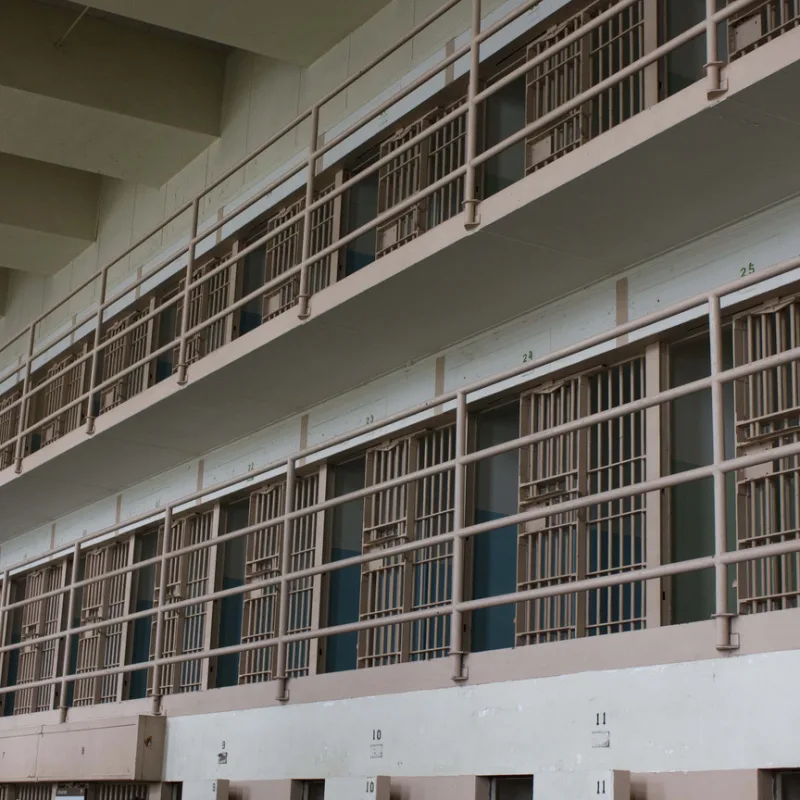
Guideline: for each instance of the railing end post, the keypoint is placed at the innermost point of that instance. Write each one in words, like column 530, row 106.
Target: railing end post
column 182, row 380
column 472, row 218
column 727, row 641
column 460, row 669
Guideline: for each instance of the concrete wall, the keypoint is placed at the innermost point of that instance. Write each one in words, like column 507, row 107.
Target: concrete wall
column 717, row 715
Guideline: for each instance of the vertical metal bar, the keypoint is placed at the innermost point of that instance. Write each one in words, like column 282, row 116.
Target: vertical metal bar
column 713, row 64
column 98, row 330
column 5, row 599
column 162, row 591
column 283, row 610
column 456, row 621
column 76, row 560
column 721, row 614
column 306, row 249
column 182, row 345
column 24, row 401
column 470, row 181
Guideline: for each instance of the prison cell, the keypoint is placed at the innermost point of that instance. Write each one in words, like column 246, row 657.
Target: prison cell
column 41, row 660
column 26, row 791
column 752, row 27
column 604, row 51
column 422, row 579
column 118, row 791
column 767, row 408
column 603, row 539
column 103, row 601
column 185, row 628
column 285, row 250
column 263, row 561
column 70, row 381
column 9, row 422
column 134, row 345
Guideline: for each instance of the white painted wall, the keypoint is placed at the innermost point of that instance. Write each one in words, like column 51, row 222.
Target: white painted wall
column 765, row 239
column 724, row 714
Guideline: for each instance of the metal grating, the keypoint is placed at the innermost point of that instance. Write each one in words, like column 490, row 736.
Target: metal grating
column 133, row 346
column 29, row 791
column 103, row 600
column 260, row 613
column 394, row 584
column 69, row 382
column 119, row 791
column 768, row 496
column 9, row 424
column 184, row 628
column 577, row 67
column 753, row 27
column 604, row 539
column 431, row 159
column 285, row 251
column 40, row 618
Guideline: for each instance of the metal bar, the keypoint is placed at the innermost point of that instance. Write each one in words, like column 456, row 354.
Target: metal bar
column 721, row 614
column 306, row 246
column 76, row 562
column 98, row 332
column 457, row 652
column 26, row 406
column 470, row 181
column 713, row 64
column 187, row 293
column 160, row 609
column 281, row 693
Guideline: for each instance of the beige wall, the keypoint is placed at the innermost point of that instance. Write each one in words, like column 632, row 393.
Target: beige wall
column 261, row 96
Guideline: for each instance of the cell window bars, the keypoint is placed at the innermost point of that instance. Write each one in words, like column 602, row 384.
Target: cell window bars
column 285, row 251
column 767, row 408
column 604, row 539
column 69, row 382
column 584, row 63
column 119, row 791
column 260, row 612
column 185, row 628
column 31, row 791
column 103, row 601
column 415, row 168
column 759, row 24
column 9, row 423
column 391, row 585
column 135, row 343
column 39, row 661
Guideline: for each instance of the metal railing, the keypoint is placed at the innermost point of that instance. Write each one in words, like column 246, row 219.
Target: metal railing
column 454, row 608
column 94, row 328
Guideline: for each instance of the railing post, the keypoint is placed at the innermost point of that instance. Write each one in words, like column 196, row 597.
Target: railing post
column 282, row 693
column 5, row 599
column 306, row 248
column 23, row 405
column 158, row 649
column 62, row 702
column 457, row 652
column 182, row 345
column 713, row 64
column 721, row 612
column 470, row 181
column 98, row 331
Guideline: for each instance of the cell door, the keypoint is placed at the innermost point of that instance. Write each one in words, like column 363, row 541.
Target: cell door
column 188, row 576
column 263, row 561
column 595, row 541
column 134, row 344
column 66, row 382
column 394, row 584
column 9, row 425
column 103, row 601
column 40, row 618
column 767, row 406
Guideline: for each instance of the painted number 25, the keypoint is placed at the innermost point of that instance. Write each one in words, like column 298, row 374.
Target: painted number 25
column 748, row 270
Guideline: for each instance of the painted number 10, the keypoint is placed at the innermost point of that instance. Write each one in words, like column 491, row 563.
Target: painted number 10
column 370, row 787
column 376, row 735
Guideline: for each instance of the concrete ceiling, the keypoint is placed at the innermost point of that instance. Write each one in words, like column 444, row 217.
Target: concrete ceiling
column 298, row 31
